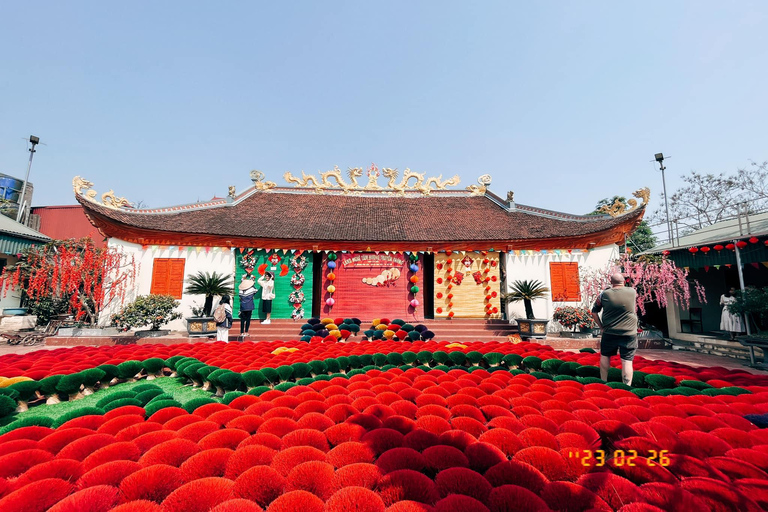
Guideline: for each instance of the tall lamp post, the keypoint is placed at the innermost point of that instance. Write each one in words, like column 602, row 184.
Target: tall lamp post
column 660, row 158
column 34, row 141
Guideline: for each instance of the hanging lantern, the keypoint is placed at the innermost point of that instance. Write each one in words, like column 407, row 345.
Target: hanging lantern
column 439, row 310
column 331, row 264
column 741, row 244
column 331, row 276
column 439, row 295
column 449, row 261
column 330, row 302
column 666, row 253
column 693, row 250
column 414, row 303
column 331, row 288
column 439, row 280
column 439, row 266
column 719, row 247
column 414, row 289
column 753, row 240
column 730, row 247
column 414, row 268
column 414, row 279
column 705, row 249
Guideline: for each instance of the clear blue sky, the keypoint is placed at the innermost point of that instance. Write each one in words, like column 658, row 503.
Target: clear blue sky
column 563, row 102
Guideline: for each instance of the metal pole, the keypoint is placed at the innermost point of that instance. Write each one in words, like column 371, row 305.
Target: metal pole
column 666, row 203
column 34, row 140
column 741, row 278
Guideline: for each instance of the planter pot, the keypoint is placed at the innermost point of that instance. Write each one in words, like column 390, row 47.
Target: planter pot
column 201, row 325
column 532, row 328
column 15, row 311
column 571, row 334
column 152, row 334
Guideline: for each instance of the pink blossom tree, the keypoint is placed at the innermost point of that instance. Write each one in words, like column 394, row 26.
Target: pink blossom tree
column 654, row 280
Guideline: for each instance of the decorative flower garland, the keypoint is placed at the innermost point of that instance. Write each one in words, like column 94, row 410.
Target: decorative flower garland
column 297, row 280
column 296, row 297
column 248, row 261
column 298, row 263
column 297, row 313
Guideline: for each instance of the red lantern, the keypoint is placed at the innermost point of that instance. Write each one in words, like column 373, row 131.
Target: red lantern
column 331, row 276
column 693, row 250
column 448, row 253
column 741, row 244
column 666, row 253
column 730, row 247
column 718, row 247
column 449, row 261
column 705, row 250
column 753, row 240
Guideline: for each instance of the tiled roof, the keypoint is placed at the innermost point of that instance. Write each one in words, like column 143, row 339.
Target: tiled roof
column 287, row 215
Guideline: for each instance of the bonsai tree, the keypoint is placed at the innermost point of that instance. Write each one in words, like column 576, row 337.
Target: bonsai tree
column 209, row 284
column 570, row 317
column 752, row 302
column 154, row 310
column 526, row 291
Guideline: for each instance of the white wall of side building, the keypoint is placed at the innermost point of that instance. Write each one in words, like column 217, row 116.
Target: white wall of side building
column 535, row 265
column 215, row 260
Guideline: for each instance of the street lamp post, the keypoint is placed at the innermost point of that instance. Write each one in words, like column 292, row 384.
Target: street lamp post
column 660, row 158
column 34, row 141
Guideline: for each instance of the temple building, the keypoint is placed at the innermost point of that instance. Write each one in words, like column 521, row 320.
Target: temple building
column 411, row 248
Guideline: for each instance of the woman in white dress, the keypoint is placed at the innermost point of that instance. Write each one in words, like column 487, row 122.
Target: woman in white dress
column 730, row 322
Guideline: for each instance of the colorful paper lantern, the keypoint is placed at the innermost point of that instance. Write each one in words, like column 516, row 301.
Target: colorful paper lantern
column 439, row 266
column 439, row 280
column 414, row 289
column 439, row 310
column 693, row 250
column 331, row 276
column 705, row 250
column 450, row 314
column 730, row 247
column 718, row 247
column 414, row 279
column 754, row 240
column 414, row 268
column 331, row 264
column 331, row 288
column 414, row 303
column 449, row 296
column 741, row 244
column 330, row 301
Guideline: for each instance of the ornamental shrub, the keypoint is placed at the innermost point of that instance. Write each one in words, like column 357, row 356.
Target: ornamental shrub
column 152, row 310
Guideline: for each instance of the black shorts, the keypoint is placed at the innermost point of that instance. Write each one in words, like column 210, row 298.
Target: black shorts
column 610, row 344
column 266, row 306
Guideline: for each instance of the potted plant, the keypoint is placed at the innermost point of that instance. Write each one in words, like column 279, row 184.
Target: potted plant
column 201, row 323
column 571, row 318
column 152, row 310
column 528, row 291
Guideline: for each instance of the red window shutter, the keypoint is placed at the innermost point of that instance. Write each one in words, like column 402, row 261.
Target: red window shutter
column 176, row 277
column 160, row 273
column 557, row 282
column 572, row 284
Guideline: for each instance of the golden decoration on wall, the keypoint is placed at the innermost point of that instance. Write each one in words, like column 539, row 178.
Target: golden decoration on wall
column 257, row 177
column 484, row 181
column 334, row 180
column 619, row 208
column 82, row 187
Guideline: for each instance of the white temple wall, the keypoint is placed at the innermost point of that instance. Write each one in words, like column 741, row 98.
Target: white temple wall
column 217, row 259
column 527, row 265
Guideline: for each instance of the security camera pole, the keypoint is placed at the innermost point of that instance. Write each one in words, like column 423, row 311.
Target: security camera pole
column 660, row 158
column 34, row 141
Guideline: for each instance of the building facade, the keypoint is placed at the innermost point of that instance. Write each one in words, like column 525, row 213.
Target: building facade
column 411, row 248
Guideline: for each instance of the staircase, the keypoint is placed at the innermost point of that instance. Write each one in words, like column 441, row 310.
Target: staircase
column 461, row 330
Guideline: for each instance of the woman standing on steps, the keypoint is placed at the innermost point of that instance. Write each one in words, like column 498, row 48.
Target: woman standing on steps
column 730, row 322
column 247, row 291
column 267, row 283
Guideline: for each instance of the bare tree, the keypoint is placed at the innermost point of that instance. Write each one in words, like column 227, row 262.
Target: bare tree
column 709, row 198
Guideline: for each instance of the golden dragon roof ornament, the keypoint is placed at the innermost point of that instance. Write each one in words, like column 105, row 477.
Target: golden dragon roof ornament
column 335, row 180
column 82, row 187
column 620, row 208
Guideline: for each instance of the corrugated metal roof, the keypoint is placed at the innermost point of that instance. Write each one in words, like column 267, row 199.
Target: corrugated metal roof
column 720, row 232
column 15, row 229
column 14, row 245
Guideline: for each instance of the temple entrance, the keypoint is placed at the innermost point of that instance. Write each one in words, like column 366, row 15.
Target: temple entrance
column 372, row 285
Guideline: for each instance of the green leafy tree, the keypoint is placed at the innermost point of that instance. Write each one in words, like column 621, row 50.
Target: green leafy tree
column 526, row 291
column 154, row 310
column 642, row 239
column 210, row 285
column 752, row 301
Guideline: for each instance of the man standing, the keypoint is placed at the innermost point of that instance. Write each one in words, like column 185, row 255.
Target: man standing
column 619, row 325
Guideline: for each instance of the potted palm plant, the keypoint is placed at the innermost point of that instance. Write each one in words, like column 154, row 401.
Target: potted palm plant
column 528, row 291
column 211, row 285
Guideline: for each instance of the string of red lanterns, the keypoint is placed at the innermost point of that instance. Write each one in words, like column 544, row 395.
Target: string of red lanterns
column 741, row 244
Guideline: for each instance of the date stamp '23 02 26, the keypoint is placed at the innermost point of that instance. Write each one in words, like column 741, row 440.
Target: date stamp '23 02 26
column 620, row 458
